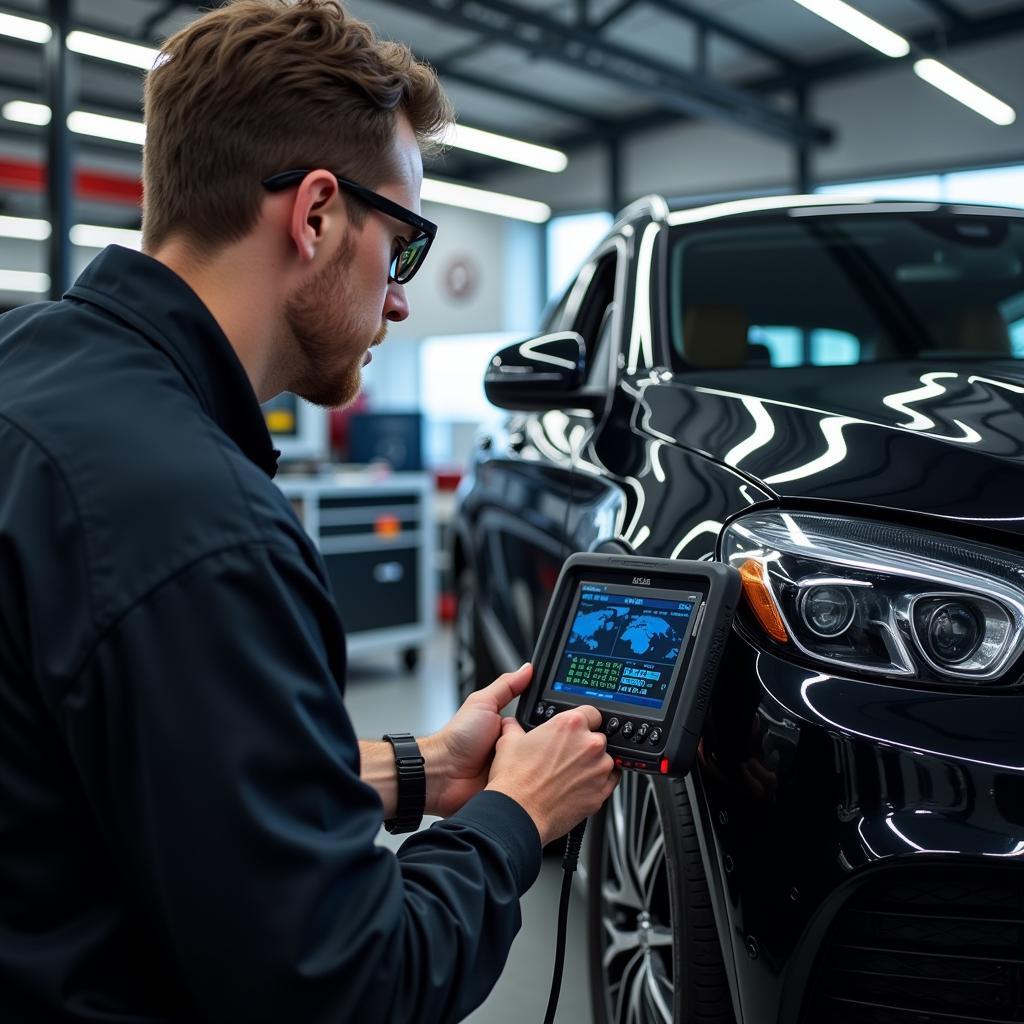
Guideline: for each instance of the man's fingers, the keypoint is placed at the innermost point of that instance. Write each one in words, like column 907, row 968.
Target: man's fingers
column 592, row 715
column 510, row 725
column 506, row 687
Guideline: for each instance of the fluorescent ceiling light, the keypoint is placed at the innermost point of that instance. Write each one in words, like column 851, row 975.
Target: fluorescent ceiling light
column 82, row 122
column 485, row 202
column 90, row 236
column 866, row 29
column 116, row 50
column 542, row 158
column 24, row 28
column 25, row 112
column 119, row 129
column 96, row 236
column 23, row 281
column 966, row 92
column 32, row 228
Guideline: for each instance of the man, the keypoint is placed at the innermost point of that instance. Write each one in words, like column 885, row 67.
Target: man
column 186, row 821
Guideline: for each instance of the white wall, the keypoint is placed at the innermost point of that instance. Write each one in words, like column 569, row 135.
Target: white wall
column 504, row 258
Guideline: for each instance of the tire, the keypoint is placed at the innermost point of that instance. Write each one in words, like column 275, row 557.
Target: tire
column 654, row 951
column 473, row 666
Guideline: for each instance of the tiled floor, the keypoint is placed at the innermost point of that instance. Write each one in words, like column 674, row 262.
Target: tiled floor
column 381, row 697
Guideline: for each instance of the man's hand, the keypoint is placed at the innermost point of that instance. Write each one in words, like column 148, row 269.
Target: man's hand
column 559, row 773
column 458, row 757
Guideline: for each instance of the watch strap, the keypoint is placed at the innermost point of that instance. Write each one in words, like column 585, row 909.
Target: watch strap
column 412, row 783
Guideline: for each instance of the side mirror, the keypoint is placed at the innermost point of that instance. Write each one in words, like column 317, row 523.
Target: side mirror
column 540, row 373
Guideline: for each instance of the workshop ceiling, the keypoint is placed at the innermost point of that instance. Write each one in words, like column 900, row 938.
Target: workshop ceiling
column 561, row 72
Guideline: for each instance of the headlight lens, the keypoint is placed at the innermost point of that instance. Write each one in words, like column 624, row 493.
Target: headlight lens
column 882, row 599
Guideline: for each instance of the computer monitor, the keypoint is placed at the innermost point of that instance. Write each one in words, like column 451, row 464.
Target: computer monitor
column 297, row 428
column 392, row 437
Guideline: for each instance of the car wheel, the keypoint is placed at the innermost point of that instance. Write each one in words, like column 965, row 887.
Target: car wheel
column 654, row 951
column 473, row 667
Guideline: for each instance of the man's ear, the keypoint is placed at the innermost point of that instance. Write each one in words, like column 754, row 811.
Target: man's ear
column 316, row 211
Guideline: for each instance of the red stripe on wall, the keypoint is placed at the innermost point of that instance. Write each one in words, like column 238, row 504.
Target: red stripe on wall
column 96, row 185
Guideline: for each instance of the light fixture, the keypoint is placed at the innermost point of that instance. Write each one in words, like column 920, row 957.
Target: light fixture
column 964, row 91
column 101, row 126
column 32, row 228
column 446, row 192
column 116, row 50
column 24, row 281
column 82, row 122
column 866, row 29
column 28, row 29
column 97, row 236
column 25, row 112
column 501, row 147
column 90, row 236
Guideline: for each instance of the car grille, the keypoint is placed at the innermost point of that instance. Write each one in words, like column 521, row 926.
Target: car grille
column 925, row 946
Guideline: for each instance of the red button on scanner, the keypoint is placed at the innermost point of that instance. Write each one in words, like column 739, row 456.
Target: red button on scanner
column 664, row 766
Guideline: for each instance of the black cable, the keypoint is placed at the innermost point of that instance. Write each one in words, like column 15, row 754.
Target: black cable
column 573, row 843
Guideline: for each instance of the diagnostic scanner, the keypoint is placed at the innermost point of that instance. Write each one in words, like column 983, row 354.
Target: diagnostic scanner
column 640, row 639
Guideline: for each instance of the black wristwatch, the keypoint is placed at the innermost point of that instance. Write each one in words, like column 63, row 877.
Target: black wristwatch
column 412, row 783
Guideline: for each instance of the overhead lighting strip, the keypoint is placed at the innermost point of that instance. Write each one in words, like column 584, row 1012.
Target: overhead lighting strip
column 502, row 147
column 89, row 236
column 859, row 25
column 934, row 72
column 964, row 91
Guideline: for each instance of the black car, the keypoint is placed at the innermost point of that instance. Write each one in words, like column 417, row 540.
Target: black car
column 828, row 394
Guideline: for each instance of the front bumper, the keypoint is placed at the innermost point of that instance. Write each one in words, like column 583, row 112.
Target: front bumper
column 817, row 794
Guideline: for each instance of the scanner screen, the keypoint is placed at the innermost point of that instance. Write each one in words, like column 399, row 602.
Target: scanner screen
column 622, row 646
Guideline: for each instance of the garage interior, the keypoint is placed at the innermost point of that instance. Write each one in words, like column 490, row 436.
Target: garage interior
column 568, row 110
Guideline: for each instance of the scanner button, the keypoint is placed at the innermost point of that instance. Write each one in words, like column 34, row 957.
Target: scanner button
column 549, row 710
column 611, row 727
column 538, row 711
column 641, row 732
column 627, row 729
column 655, row 736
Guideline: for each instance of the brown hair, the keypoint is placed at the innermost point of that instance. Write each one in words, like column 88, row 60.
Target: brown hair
column 261, row 86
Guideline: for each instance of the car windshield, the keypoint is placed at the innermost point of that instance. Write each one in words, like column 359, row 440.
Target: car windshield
column 833, row 290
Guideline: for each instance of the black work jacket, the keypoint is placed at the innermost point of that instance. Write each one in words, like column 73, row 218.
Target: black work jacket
column 184, row 835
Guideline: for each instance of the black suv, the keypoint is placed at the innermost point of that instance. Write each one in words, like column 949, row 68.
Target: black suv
column 827, row 394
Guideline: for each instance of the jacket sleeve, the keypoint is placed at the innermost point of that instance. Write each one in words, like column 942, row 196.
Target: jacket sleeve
column 210, row 735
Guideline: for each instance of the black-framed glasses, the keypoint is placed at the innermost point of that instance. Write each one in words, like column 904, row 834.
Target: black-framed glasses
column 403, row 264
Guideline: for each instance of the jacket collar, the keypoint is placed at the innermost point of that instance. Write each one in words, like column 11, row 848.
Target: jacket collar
column 155, row 301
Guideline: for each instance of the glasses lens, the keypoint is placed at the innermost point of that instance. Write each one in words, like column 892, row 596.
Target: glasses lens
column 409, row 259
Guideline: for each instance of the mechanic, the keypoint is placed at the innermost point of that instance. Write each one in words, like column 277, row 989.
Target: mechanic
column 187, row 821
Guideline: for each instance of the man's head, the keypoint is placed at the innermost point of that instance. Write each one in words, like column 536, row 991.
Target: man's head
column 260, row 87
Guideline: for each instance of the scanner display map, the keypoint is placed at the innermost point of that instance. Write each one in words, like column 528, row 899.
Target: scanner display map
column 618, row 632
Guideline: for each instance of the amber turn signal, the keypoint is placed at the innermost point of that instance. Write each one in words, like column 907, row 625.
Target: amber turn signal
column 755, row 587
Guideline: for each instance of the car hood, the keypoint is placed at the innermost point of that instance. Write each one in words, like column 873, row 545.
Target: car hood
column 944, row 439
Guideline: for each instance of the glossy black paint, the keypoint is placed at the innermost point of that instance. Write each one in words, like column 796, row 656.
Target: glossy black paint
column 808, row 783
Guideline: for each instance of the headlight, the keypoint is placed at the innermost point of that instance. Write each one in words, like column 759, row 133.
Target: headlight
column 886, row 600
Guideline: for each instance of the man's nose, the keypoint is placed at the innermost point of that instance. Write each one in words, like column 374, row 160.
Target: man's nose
column 396, row 306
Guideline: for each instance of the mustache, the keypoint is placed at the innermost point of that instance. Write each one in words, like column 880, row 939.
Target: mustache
column 380, row 336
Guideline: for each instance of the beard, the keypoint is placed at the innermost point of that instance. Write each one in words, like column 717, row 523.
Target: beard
column 329, row 341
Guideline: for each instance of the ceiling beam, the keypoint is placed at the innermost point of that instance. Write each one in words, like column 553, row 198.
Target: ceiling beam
column 711, row 23
column 947, row 11
column 670, row 87
column 612, row 15
column 555, row 106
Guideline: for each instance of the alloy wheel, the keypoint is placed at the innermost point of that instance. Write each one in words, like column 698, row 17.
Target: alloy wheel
column 637, row 939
